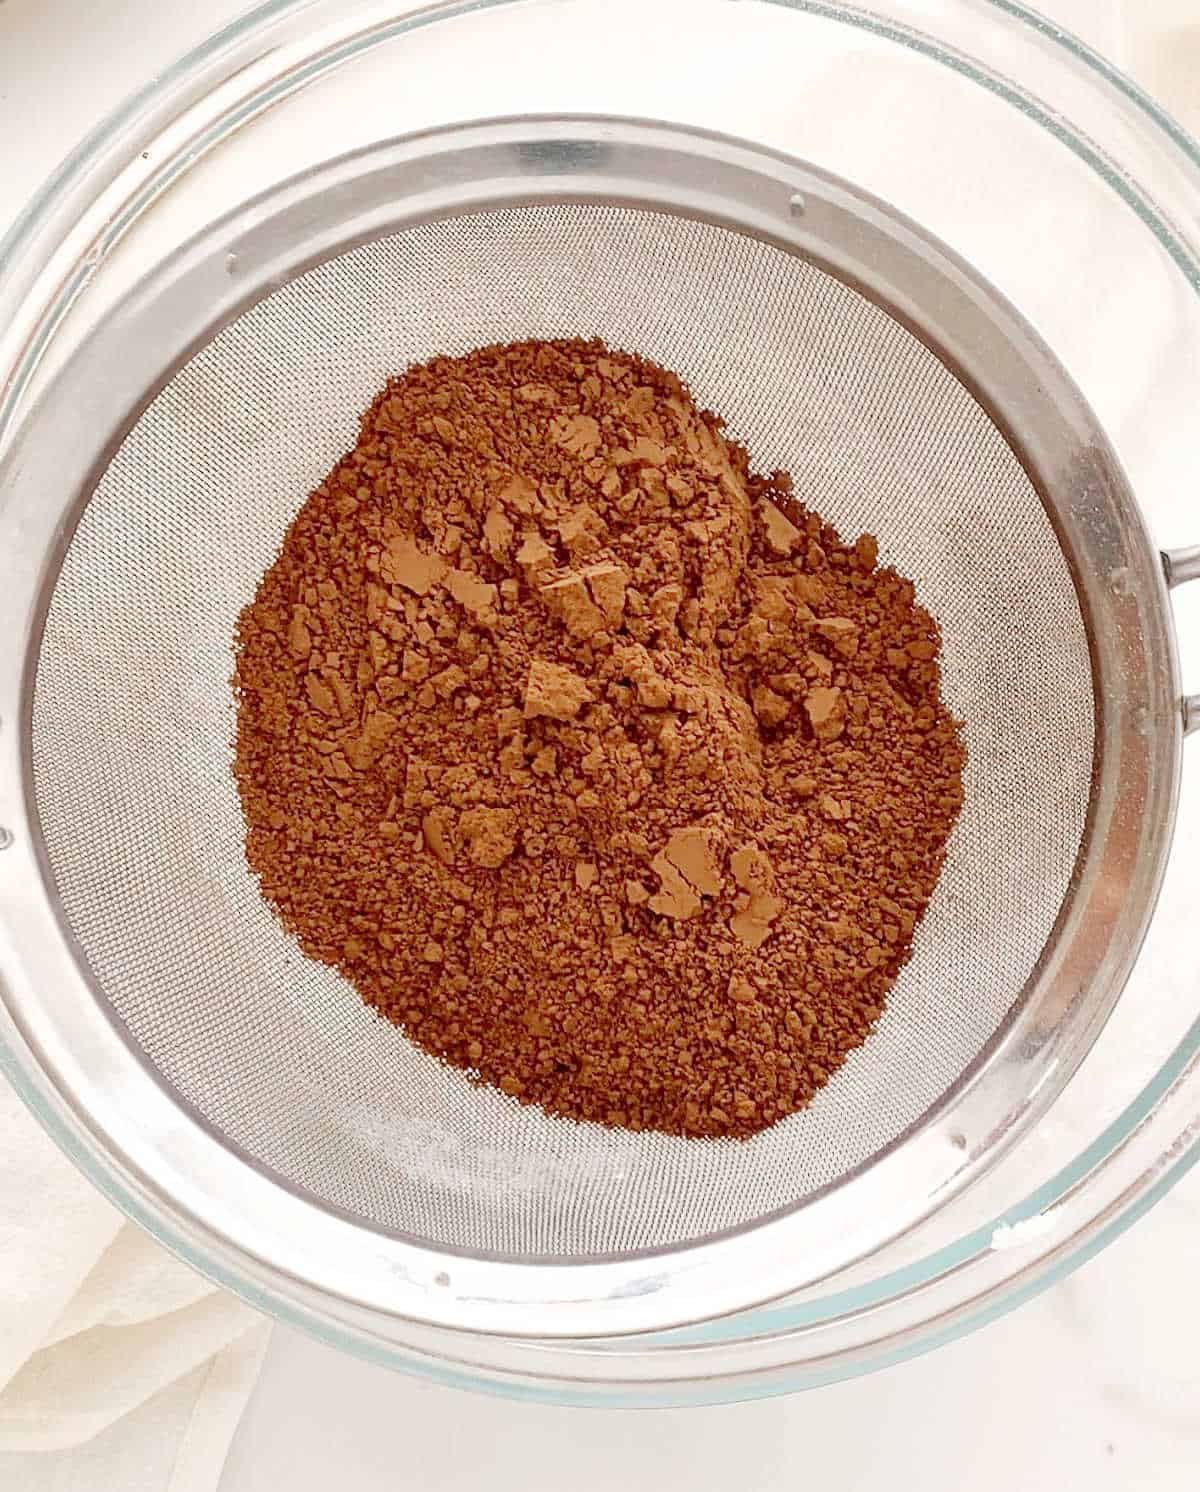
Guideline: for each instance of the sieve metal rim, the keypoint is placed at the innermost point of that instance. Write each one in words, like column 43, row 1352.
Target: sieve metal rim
column 751, row 190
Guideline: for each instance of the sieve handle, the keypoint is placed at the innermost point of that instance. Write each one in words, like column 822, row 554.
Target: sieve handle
column 1180, row 566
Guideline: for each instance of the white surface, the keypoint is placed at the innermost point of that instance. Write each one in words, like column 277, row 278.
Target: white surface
column 1095, row 1383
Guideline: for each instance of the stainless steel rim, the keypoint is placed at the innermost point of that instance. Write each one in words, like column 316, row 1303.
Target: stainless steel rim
column 67, row 1043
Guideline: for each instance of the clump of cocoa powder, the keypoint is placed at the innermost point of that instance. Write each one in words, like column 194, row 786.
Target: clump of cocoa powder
column 582, row 761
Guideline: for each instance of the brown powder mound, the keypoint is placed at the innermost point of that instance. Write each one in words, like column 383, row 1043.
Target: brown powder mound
column 585, row 764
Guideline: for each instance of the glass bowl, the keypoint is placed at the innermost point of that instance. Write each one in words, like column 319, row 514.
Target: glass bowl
column 1033, row 160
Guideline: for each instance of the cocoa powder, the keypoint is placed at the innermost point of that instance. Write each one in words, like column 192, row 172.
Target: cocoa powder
column 589, row 757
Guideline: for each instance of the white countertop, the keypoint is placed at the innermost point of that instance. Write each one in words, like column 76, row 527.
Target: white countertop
column 1096, row 1382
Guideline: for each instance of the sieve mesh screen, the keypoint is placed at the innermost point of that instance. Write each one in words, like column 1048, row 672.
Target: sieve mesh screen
column 133, row 715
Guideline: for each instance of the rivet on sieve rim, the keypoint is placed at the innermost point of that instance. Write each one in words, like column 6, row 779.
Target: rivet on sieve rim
column 231, row 263
column 6, row 837
column 1121, row 581
column 797, row 204
column 441, row 1278
column 958, row 1141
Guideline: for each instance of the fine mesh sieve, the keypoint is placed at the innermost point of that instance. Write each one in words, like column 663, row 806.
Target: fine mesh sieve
column 131, row 715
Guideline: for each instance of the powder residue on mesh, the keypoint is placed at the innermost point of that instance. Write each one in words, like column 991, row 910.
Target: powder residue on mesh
column 594, row 760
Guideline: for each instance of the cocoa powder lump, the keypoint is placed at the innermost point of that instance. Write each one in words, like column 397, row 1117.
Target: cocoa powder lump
column 591, row 759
